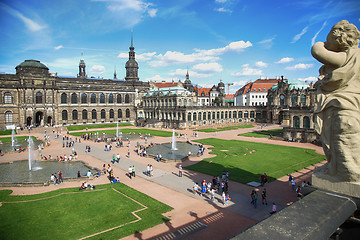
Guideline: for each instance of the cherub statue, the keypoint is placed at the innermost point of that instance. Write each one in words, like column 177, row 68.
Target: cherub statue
column 337, row 109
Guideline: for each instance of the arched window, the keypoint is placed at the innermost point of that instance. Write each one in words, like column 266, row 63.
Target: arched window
column 194, row 116
column 296, row 122
column 252, row 114
column 83, row 98
column 63, row 98
column 170, row 103
column 74, row 98
column 218, row 115
column 294, row 99
column 111, row 98
column 102, row 114
column 93, row 98
column 246, row 114
column 179, row 102
column 111, row 113
column 64, row 115
column 127, row 112
column 127, row 98
column 102, row 98
column 209, row 115
column 7, row 98
column 234, row 114
column 189, row 116
column 199, row 116
column 118, row 98
column 282, row 100
column 38, row 97
column 74, row 114
column 303, row 99
column 222, row 115
column 93, row 114
column 226, row 115
column 240, row 114
column 306, row 122
column 84, row 114
column 213, row 115
column 162, row 102
column 185, row 102
column 119, row 113
column 8, row 117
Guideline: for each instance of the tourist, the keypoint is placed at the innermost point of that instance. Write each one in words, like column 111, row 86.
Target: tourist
column 180, row 170
column 52, row 178
column 212, row 192
column 266, row 177
column 227, row 199
column 133, row 171
column 148, row 170
column 130, row 172
column 290, row 179
column 60, row 177
column 203, row 188
column 89, row 174
column 196, row 188
column 262, row 179
column 78, row 174
column 293, row 183
column 254, row 197
column 118, row 157
column 113, row 159
column 118, row 179
column 263, row 196
column 104, row 168
column 298, row 193
column 223, row 197
column 82, row 187
column 273, row 208
column 151, row 171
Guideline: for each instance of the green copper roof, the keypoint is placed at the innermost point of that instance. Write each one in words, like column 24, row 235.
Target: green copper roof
column 32, row 63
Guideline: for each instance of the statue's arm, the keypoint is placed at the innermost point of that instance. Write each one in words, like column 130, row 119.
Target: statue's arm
column 327, row 57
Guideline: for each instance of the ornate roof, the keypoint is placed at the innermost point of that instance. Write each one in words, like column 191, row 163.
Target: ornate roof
column 32, row 63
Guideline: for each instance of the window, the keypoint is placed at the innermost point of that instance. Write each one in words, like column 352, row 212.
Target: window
column 102, row 98
column 111, row 113
column 240, row 114
column 282, row 100
column 74, row 98
column 204, row 116
column 119, row 113
column 93, row 114
column 213, row 115
column 246, row 114
column 102, row 114
column 252, row 114
column 127, row 98
column 83, row 98
column 189, row 116
column 118, row 98
column 226, row 115
column 111, row 98
column 209, row 115
column 74, row 114
column 38, row 97
column 127, row 112
column 218, row 115
column 7, row 98
column 63, row 98
column 84, row 114
column 294, row 99
column 296, row 122
column 93, row 98
column 194, row 116
column 185, row 102
column 199, row 116
column 306, row 122
column 222, row 115
column 64, row 115
column 234, row 114
column 8, row 117
column 179, row 102
column 303, row 99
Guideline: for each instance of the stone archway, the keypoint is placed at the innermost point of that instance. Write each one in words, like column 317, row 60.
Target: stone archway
column 49, row 121
column 39, row 119
column 28, row 121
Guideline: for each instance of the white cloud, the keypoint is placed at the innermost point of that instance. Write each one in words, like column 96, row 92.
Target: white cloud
column 29, row 23
column 238, row 46
column 139, row 57
column 220, row 1
column 158, row 78
column 261, row 64
column 267, row 43
column 152, row 12
column 300, row 66
column 316, row 34
column 298, row 36
column 285, row 60
column 97, row 70
column 208, row 67
column 180, row 73
column 59, row 47
column 223, row 10
column 308, row 79
column 247, row 71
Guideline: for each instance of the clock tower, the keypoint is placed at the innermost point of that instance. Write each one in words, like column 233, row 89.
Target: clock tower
column 132, row 66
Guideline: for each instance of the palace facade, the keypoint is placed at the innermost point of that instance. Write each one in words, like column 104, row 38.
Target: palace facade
column 35, row 97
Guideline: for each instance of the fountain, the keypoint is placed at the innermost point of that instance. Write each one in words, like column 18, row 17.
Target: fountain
column 13, row 138
column 30, row 147
column 117, row 129
column 173, row 145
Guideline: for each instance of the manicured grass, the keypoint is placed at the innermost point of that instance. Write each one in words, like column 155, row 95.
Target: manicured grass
column 91, row 126
column 129, row 130
column 224, row 128
column 6, row 132
column 18, row 139
column 73, row 214
column 274, row 160
column 263, row 134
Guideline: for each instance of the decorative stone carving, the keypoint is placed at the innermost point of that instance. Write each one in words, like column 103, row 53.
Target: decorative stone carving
column 337, row 109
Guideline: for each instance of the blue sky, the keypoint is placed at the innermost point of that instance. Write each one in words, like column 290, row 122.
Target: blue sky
column 233, row 40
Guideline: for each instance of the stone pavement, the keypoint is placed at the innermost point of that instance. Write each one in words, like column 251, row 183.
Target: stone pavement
column 222, row 222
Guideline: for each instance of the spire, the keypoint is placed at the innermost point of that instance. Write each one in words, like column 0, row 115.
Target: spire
column 82, row 66
column 115, row 72
column 187, row 73
column 132, row 38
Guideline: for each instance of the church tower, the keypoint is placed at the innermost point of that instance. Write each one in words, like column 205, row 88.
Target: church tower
column 82, row 66
column 132, row 66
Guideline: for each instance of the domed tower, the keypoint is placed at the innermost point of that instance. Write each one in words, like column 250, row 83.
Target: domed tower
column 82, row 66
column 187, row 83
column 132, row 66
column 32, row 67
column 221, row 87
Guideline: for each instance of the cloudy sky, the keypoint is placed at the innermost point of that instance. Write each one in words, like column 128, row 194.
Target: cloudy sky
column 233, row 40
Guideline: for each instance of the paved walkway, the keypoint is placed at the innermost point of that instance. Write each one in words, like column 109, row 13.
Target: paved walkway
column 165, row 186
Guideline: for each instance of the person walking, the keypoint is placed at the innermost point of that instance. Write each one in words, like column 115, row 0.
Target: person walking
column 133, row 171
column 180, row 170
column 273, row 208
column 293, row 183
column 263, row 196
column 60, row 177
column 130, row 172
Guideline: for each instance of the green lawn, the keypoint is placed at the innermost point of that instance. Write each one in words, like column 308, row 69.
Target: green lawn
column 73, row 214
column 129, row 130
column 263, row 134
column 224, row 128
column 6, row 132
column 91, row 126
column 274, row 160
column 18, row 139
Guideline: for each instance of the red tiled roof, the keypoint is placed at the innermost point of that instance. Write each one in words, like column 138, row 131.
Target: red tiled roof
column 229, row 96
column 259, row 85
column 206, row 91
column 165, row 84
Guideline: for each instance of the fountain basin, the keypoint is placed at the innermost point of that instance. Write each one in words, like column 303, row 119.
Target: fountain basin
column 17, row 172
column 179, row 155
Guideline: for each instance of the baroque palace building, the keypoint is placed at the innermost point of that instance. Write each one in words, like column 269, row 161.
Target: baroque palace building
column 35, row 97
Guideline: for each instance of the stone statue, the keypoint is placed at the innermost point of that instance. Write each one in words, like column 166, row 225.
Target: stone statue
column 337, row 108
